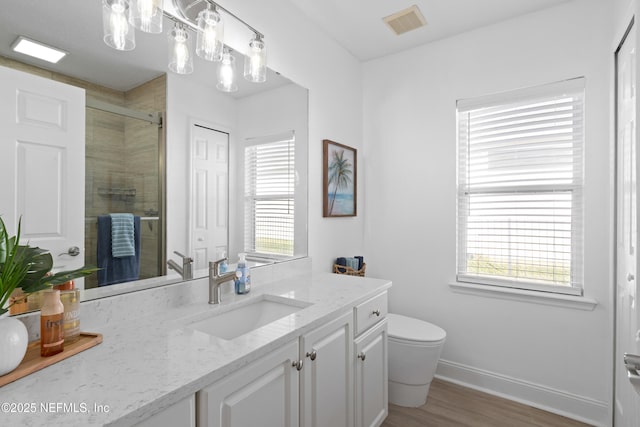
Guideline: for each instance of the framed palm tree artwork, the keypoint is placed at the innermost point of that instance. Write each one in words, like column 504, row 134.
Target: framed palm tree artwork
column 340, row 187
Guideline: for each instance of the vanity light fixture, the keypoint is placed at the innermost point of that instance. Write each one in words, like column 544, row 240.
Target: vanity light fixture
column 209, row 43
column 255, row 61
column 180, row 58
column 120, row 17
column 38, row 50
column 146, row 15
column 227, row 72
column 115, row 25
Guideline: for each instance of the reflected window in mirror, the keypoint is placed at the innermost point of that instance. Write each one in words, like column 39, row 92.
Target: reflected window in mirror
column 269, row 198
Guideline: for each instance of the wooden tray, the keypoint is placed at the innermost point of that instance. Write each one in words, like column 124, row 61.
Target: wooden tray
column 33, row 362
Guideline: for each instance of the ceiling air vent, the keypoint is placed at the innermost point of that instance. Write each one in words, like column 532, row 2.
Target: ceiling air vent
column 405, row 20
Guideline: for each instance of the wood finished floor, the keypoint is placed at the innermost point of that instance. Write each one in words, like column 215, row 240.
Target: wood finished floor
column 453, row 405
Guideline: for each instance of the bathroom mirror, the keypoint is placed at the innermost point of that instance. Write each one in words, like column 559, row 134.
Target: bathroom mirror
column 248, row 116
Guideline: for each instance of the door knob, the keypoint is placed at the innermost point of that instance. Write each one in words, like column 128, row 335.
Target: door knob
column 297, row 364
column 312, row 355
column 73, row 251
column 632, row 361
column 630, row 277
column 362, row 356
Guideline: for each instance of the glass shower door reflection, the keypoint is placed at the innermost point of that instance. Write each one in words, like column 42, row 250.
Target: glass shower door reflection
column 123, row 175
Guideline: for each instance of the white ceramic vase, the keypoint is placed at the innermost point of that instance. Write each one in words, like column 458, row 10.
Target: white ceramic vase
column 13, row 343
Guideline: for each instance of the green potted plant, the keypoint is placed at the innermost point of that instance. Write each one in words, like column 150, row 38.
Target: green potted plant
column 28, row 268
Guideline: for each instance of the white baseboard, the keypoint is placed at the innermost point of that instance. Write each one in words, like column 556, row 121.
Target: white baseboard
column 559, row 402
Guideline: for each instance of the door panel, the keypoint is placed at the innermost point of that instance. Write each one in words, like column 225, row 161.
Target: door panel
column 371, row 377
column 42, row 159
column 263, row 393
column 627, row 401
column 210, row 195
column 327, row 390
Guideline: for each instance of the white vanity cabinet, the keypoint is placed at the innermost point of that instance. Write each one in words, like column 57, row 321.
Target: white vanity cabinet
column 310, row 382
column 182, row 413
column 326, row 381
column 263, row 393
column 371, row 393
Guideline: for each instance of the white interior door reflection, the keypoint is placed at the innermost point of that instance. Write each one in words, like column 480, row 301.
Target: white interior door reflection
column 209, row 195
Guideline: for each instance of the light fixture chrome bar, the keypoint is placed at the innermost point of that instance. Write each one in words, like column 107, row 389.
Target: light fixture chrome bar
column 258, row 33
column 185, row 8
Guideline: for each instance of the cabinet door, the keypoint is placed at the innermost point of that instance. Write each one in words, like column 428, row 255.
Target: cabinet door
column 327, row 381
column 264, row 393
column 182, row 413
column 371, row 376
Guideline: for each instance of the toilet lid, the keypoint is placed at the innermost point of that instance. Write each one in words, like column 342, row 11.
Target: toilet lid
column 411, row 329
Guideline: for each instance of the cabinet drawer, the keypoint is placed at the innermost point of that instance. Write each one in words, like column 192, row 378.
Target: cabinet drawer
column 370, row 312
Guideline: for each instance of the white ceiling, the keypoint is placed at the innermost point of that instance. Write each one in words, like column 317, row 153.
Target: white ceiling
column 357, row 24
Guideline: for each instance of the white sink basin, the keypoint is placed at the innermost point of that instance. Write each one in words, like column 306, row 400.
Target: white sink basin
column 248, row 317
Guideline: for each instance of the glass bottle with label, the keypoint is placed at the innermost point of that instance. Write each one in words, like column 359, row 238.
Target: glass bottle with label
column 51, row 324
column 70, row 297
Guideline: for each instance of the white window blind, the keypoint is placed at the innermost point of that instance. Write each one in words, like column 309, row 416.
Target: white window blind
column 520, row 182
column 269, row 195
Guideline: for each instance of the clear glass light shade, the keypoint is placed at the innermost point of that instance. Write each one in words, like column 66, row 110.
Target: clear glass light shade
column 180, row 57
column 226, row 73
column 209, row 43
column 146, row 15
column 255, row 61
column 115, row 24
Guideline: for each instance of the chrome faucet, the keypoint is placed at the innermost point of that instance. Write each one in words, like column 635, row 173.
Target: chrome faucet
column 186, row 270
column 216, row 279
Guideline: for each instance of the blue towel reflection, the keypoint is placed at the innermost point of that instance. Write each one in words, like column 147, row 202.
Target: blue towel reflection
column 116, row 269
column 122, row 235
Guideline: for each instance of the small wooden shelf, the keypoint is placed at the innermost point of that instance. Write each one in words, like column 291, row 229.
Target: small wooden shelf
column 33, row 362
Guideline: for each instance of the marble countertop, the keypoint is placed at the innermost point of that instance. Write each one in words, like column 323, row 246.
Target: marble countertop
column 149, row 362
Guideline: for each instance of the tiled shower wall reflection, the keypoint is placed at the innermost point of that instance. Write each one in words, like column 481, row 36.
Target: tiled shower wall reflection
column 123, row 157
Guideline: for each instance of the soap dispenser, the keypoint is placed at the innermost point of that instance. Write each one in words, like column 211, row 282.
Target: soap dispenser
column 243, row 276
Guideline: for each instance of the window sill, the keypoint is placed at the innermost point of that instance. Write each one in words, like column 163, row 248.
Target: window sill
column 545, row 298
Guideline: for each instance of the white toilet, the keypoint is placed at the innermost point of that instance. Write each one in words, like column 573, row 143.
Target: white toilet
column 414, row 350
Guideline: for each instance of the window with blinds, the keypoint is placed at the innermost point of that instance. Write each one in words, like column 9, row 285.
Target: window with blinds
column 520, row 188
column 269, row 195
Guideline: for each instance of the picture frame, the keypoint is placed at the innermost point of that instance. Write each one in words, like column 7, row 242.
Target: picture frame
column 340, row 180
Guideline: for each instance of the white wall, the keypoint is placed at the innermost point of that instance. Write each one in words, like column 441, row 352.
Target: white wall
column 300, row 51
column 187, row 101
column 275, row 112
column 553, row 357
column 303, row 53
column 623, row 10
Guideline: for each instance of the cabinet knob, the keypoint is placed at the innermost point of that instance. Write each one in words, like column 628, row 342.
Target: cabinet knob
column 312, row 355
column 376, row 312
column 362, row 356
column 297, row 364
